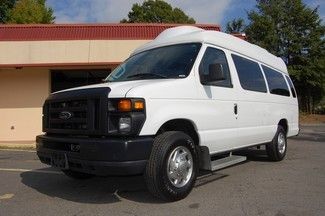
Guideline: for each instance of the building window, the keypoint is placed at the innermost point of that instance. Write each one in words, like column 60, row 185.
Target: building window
column 250, row 74
column 276, row 82
column 214, row 56
column 64, row 79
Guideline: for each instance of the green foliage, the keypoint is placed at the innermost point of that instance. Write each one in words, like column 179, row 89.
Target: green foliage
column 5, row 7
column 293, row 31
column 156, row 11
column 31, row 11
column 236, row 26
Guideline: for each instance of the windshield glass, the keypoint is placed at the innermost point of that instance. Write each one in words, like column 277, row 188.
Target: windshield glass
column 167, row 62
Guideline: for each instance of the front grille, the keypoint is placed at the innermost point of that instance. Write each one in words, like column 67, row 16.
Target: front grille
column 77, row 112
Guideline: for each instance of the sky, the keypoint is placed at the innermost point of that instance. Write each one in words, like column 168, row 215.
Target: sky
column 203, row 11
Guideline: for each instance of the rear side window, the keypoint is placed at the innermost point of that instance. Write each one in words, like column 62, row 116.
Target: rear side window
column 293, row 91
column 276, row 82
column 213, row 56
column 250, row 74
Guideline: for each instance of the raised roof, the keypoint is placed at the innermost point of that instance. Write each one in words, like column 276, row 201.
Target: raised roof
column 187, row 34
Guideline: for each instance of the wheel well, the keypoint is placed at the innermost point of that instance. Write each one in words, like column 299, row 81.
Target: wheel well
column 284, row 124
column 183, row 125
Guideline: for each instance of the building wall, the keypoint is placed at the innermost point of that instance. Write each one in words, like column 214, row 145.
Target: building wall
column 22, row 93
column 25, row 76
column 60, row 52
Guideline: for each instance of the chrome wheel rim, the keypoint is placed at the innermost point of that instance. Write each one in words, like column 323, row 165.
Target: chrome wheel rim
column 180, row 166
column 281, row 143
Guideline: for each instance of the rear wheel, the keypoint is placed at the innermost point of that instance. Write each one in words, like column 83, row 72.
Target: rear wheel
column 76, row 175
column 277, row 148
column 172, row 167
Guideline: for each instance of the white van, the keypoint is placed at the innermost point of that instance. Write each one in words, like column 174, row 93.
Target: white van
column 186, row 96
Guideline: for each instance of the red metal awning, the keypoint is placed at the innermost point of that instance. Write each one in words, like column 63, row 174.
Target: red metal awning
column 41, row 32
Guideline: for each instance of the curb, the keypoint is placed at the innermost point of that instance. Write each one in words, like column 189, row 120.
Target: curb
column 312, row 124
column 17, row 146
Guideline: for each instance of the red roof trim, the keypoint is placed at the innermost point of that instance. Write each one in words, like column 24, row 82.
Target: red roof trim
column 41, row 32
column 240, row 35
column 106, row 24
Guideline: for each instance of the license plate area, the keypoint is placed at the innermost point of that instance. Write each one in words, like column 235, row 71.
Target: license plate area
column 59, row 160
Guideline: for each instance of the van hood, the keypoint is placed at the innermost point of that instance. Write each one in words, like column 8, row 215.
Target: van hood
column 118, row 89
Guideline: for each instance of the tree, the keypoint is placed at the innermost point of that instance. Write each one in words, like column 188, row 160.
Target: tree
column 31, row 11
column 236, row 26
column 5, row 7
column 293, row 31
column 156, row 11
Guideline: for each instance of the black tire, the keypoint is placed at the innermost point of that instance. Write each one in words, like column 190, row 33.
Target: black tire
column 156, row 174
column 274, row 152
column 77, row 175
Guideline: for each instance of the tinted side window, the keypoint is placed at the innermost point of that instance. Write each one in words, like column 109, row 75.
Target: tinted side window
column 250, row 74
column 213, row 56
column 293, row 91
column 276, row 82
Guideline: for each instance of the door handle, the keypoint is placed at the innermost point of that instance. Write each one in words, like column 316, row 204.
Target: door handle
column 236, row 109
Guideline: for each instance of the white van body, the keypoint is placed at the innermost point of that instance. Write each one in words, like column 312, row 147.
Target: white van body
column 210, row 108
column 225, row 118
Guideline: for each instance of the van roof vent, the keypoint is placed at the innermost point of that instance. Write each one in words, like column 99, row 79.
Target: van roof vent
column 177, row 31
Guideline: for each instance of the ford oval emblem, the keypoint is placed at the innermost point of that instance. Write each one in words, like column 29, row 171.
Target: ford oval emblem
column 65, row 115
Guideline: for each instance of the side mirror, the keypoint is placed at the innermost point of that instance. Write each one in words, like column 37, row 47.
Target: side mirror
column 216, row 73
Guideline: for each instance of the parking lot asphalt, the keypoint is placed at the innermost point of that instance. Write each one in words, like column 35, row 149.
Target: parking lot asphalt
column 294, row 186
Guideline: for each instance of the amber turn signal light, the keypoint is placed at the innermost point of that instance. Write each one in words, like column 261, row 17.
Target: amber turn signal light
column 138, row 105
column 124, row 105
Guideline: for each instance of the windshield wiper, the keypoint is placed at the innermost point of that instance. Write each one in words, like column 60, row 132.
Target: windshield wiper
column 146, row 75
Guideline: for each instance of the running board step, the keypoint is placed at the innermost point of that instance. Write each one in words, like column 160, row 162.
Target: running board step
column 226, row 162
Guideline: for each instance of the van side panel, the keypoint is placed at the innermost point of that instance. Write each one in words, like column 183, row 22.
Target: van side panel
column 211, row 110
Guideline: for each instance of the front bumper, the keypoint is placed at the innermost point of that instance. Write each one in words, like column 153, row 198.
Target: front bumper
column 98, row 156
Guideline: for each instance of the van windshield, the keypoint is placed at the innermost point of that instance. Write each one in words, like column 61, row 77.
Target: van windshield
column 167, row 62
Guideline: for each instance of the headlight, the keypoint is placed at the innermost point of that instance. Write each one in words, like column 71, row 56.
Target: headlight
column 126, row 116
column 125, row 125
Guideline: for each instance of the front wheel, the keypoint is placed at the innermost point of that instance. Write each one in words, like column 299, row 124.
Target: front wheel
column 172, row 167
column 277, row 148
